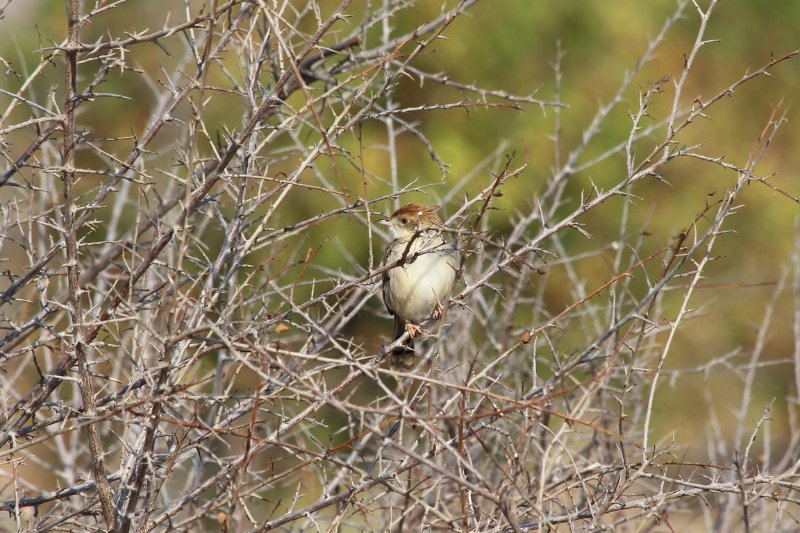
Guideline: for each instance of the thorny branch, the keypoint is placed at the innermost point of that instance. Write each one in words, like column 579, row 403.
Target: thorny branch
column 195, row 284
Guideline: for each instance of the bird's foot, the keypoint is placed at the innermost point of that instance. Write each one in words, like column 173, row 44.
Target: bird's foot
column 413, row 329
column 437, row 311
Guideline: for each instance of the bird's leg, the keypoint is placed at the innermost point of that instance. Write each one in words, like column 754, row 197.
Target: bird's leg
column 413, row 329
column 437, row 311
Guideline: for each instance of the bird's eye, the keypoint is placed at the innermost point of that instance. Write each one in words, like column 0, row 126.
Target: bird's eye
column 403, row 220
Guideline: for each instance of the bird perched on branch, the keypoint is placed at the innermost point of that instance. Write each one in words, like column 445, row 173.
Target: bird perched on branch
column 421, row 283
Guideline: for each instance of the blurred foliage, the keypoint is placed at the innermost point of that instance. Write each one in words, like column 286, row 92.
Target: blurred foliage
column 512, row 45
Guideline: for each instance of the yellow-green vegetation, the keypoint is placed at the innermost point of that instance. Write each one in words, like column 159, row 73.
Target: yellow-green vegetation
column 231, row 334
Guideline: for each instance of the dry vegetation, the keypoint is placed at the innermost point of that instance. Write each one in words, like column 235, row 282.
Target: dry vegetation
column 184, row 347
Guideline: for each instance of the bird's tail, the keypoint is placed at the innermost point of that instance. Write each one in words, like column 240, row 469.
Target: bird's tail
column 402, row 355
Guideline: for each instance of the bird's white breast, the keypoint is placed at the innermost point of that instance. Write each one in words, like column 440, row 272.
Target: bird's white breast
column 416, row 287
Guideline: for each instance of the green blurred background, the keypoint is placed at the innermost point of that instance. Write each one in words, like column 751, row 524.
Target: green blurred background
column 512, row 45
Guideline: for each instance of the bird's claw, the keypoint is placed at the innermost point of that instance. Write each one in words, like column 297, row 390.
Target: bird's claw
column 413, row 329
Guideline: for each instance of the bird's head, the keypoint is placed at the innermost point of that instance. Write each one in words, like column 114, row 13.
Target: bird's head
column 412, row 218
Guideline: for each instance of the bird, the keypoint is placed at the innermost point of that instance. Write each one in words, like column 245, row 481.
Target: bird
column 420, row 284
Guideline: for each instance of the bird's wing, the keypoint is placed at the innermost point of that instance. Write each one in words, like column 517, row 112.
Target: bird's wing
column 385, row 280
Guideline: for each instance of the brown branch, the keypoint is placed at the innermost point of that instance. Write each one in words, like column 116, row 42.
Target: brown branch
column 77, row 349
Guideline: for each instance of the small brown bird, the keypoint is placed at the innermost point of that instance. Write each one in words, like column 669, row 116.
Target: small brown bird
column 421, row 284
